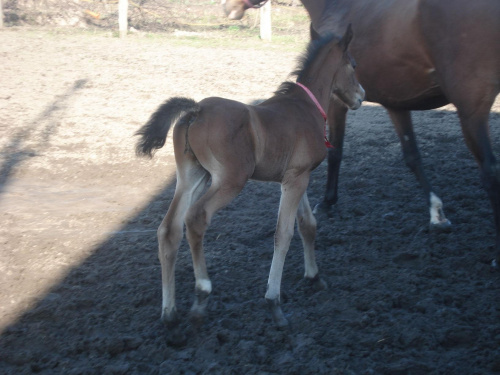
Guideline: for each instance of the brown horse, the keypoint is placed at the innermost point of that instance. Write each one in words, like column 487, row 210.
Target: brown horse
column 280, row 140
column 417, row 55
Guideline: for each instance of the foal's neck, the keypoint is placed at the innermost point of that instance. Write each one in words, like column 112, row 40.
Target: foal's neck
column 320, row 85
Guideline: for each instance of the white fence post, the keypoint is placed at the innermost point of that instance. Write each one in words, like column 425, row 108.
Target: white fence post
column 1, row 14
column 122, row 17
column 265, row 21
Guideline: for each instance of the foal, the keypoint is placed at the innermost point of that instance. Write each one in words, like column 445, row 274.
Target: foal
column 280, row 140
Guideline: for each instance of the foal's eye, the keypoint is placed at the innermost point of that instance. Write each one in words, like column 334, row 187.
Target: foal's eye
column 351, row 61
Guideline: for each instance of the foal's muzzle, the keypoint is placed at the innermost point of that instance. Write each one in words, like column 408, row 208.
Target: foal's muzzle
column 358, row 98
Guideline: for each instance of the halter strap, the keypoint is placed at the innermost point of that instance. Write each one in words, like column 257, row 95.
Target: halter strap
column 320, row 108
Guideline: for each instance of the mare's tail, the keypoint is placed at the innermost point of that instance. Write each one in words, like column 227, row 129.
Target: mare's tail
column 154, row 133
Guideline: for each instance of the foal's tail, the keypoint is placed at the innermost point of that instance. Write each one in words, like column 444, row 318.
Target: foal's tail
column 154, row 133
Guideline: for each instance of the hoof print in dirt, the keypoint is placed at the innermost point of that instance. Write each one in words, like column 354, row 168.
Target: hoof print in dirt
column 196, row 319
column 176, row 338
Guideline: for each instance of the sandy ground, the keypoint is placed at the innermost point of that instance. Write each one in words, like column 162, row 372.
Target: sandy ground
column 79, row 276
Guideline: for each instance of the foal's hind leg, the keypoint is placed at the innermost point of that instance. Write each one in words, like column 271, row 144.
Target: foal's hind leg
column 291, row 194
column 191, row 179
column 219, row 195
column 404, row 129
column 306, row 223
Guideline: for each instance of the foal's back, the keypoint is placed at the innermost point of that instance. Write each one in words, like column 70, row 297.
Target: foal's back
column 260, row 142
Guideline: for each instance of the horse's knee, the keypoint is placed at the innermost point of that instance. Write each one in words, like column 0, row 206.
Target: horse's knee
column 196, row 223
column 162, row 234
column 283, row 236
column 307, row 226
column 169, row 241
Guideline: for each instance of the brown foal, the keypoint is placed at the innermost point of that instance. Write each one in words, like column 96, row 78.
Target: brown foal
column 280, row 140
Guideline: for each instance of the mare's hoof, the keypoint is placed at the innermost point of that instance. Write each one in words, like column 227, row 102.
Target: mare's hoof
column 323, row 208
column 316, row 283
column 279, row 318
column 494, row 265
column 443, row 226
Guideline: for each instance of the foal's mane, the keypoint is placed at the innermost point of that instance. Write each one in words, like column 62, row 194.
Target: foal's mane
column 305, row 61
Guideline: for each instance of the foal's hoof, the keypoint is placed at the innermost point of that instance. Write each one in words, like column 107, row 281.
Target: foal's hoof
column 443, row 226
column 175, row 337
column 279, row 318
column 170, row 319
column 316, row 283
column 197, row 313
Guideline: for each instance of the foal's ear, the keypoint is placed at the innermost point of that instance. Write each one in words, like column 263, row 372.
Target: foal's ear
column 346, row 39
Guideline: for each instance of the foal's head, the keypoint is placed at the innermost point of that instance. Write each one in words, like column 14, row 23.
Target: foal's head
column 328, row 60
column 345, row 84
column 235, row 9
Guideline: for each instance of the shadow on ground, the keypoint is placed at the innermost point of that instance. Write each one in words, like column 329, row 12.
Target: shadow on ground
column 401, row 299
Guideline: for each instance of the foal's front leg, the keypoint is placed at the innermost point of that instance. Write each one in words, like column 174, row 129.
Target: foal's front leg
column 291, row 194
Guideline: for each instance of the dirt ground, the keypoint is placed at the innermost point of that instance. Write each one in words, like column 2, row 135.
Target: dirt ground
column 79, row 273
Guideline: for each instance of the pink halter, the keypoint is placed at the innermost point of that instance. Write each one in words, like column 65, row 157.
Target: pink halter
column 321, row 110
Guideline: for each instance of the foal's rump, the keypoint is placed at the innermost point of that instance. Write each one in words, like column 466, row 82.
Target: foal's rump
column 221, row 137
column 216, row 131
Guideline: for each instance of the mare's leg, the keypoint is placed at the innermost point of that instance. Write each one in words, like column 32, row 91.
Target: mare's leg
column 198, row 218
column 291, row 194
column 476, row 132
column 468, row 72
column 404, row 129
column 306, row 223
column 336, row 124
column 191, row 179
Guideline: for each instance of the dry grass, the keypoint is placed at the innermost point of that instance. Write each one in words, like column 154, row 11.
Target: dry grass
column 290, row 21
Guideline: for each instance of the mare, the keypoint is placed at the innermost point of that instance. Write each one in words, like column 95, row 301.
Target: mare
column 280, row 140
column 417, row 55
